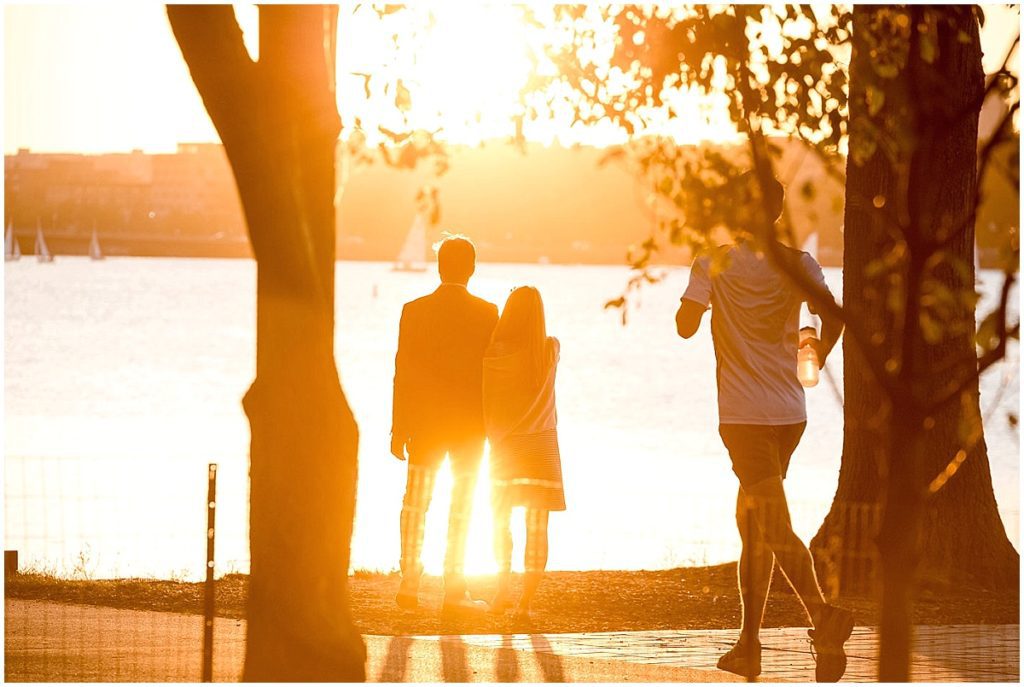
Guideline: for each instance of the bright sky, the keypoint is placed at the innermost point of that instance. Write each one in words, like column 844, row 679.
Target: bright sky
column 102, row 78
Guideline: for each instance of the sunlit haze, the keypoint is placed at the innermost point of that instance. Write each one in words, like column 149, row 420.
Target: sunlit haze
column 511, row 341
column 111, row 78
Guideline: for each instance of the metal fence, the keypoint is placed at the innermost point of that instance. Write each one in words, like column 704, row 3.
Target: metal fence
column 66, row 619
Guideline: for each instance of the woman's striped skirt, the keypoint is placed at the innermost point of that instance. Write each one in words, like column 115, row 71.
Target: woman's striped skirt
column 526, row 469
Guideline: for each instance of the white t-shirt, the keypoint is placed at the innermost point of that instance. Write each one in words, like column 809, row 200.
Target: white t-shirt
column 754, row 324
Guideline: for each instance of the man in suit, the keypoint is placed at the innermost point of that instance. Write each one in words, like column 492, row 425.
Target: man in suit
column 438, row 411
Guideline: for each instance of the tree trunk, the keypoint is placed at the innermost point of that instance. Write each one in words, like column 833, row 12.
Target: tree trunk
column 279, row 124
column 909, row 234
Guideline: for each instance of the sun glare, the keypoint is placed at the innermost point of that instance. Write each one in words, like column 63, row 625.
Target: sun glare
column 462, row 68
column 463, row 64
column 479, row 552
column 472, row 66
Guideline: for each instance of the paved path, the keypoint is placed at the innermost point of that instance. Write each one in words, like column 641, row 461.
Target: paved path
column 46, row 641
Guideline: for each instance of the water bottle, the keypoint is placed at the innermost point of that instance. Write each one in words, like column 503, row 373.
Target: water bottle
column 807, row 366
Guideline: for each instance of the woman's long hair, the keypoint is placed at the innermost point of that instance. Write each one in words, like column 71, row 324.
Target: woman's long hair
column 522, row 328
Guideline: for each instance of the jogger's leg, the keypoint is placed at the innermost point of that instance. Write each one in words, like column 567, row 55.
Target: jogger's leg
column 792, row 555
column 754, row 570
column 754, row 575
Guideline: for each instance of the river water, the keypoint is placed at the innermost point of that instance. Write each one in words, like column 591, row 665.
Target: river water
column 123, row 379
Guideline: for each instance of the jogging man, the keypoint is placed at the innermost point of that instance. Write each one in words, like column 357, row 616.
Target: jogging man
column 762, row 415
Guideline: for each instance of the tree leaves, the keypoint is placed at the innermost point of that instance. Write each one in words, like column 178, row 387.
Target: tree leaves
column 988, row 334
column 403, row 98
column 875, row 99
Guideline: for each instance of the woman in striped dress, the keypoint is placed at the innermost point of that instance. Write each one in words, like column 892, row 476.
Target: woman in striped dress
column 520, row 418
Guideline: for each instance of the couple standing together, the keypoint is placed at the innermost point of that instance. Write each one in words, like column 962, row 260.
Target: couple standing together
column 461, row 374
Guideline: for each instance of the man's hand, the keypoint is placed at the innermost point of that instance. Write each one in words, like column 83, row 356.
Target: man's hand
column 398, row 447
column 831, row 329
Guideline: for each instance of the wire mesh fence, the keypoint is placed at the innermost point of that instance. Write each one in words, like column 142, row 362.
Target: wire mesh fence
column 93, row 538
column 99, row 518
column 84, row 541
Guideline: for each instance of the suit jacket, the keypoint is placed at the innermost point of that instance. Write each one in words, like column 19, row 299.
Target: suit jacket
column 438, row 393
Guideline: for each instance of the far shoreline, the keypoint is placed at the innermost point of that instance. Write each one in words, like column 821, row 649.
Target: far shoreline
column 430, row 267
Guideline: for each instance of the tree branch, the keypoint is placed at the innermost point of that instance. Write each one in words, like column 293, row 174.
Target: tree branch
column 954, row 464
column 993, row 82
column 1003, row 333
column 211, row 43
column 984, row 158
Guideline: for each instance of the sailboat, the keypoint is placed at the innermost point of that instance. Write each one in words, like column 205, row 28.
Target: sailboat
column 807, row 318
column 94, row 246
column 12, row 251
column 811, row 245
column 40, row 249
column 412, row 257
column 977, row 264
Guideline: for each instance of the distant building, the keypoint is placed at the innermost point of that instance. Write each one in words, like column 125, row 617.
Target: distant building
column 549, row 204
column 168, row 204
column 70, row 192
column 193, row 193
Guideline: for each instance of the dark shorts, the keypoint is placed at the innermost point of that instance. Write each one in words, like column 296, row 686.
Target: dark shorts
column 760, row 451
column 465, row 454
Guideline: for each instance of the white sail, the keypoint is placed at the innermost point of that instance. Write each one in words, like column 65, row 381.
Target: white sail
column 412, row 257
column 807, row 319
column 94, row 247
column 12, row 251
column 977, row 263
column 811, row 245
column 41, row 251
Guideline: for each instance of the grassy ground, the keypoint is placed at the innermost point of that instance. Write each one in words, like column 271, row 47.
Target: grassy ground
column 592, row 601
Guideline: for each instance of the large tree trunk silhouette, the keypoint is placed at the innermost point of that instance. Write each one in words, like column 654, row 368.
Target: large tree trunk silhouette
column 278, row 120
column 912, row 200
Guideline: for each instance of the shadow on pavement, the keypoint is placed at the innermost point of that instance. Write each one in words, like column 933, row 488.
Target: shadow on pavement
column 454, row 667
column 550, row 663
column 396, row 661
column 506, row 661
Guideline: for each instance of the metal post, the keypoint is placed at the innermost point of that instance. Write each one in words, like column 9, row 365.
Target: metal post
column 211, row 510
